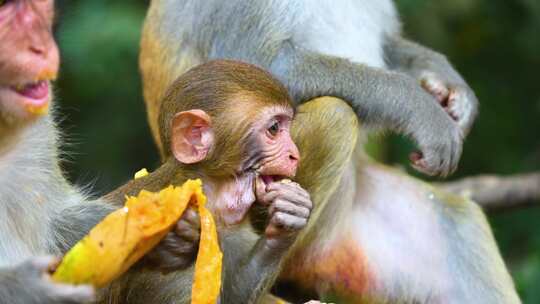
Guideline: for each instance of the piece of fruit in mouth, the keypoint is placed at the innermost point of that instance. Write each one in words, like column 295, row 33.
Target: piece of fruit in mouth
column 268, row 179
column 36, row 96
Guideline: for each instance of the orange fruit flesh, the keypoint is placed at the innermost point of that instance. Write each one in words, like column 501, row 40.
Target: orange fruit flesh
column 127, row 234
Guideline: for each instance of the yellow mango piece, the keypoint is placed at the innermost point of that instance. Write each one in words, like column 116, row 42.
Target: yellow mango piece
column 127, row 234
column 141, row 173
column 207, row 278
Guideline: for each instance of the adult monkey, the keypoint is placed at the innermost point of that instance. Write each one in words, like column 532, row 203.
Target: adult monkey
column 41, row 213
column 30, row 175
column 228, row 123
column 339, row 48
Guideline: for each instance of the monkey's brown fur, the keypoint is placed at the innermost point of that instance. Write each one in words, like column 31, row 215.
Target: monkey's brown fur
column 232, row 106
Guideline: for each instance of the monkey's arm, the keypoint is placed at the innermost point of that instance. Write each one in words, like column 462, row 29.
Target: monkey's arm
column 436, row 75
column 381, row 99
column 253, row 269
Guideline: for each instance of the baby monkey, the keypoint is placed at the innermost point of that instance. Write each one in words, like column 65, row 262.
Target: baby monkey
column 228, row 123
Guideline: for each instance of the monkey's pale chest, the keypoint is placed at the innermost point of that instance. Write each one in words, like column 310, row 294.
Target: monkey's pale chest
column 23, row 231
column 348, row 29
column 13, row 249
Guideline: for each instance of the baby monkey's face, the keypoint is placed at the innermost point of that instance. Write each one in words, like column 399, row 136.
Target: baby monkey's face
column 272, row 153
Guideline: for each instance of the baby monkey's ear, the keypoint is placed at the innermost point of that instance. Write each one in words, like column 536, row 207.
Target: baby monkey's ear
column 192, row 136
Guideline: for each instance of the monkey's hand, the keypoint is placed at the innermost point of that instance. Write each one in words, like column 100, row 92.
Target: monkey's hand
column 439, row 138
column 437, row 76
column 289, row 210
column 454, row 95
column 178, row 249
column 32, row 283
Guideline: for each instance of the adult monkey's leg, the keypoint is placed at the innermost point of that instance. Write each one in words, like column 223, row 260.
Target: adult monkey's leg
column 325, row 130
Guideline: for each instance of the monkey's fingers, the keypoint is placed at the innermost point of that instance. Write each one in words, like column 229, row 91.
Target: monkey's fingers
column 436, row 87
column 463, row 107
column 290, row 192
column 174, row 244
column 288, row 189
column 191, row 216
column 187, row 231
column 439, row 154
column 288, row 207
column 433, row 166
column 457, row 99
column 284, row 223
column 64, row 293
column 171, row 258
column 289, row 196
column 260, row 191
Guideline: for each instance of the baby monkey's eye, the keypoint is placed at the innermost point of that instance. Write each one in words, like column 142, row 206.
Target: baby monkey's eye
column 274, row 128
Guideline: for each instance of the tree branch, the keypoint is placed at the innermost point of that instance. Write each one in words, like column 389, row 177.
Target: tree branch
column 498, row 193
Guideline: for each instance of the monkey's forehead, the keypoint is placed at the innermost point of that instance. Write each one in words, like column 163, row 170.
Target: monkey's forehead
column 259, row 115
column 275, row 110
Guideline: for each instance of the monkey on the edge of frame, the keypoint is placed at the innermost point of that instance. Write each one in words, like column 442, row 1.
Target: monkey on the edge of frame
column 42, row 215
column 414, row 243
column 228, row 123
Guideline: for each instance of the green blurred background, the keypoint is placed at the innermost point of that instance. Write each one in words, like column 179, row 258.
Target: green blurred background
column 494, row 44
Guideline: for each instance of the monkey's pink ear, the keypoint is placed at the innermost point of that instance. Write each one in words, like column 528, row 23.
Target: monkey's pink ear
column 192, row 136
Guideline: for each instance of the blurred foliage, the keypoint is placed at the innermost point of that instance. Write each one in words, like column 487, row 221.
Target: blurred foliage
column 494, row 44
column 103, row 114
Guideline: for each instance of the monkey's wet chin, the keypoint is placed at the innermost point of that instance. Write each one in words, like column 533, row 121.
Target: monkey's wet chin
column 27, row 100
